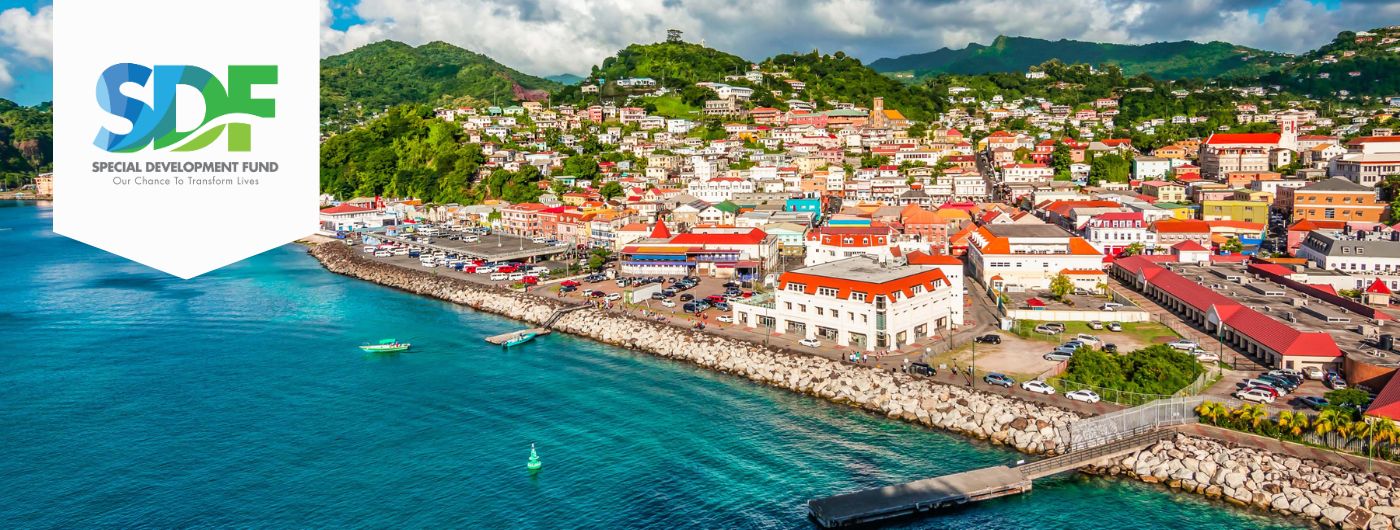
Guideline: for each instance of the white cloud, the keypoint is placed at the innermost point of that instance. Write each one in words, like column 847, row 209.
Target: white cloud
column 553, row 36
column 6, row 79
column 29, row 34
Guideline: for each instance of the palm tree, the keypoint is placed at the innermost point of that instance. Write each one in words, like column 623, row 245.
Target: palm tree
column 1252, row 415
column 1384, row 431
column 1328, row 421
column 1363, row 430
column 1294, row 423
column 1212, row 412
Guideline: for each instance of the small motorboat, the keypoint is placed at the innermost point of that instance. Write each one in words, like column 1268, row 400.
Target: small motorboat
column 386, row 346
column 534, row 464
column 522, row 338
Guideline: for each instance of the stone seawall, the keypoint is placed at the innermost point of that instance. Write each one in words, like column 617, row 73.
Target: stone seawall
column 1251, row 477
column 1240, row 475
column 1028, row 427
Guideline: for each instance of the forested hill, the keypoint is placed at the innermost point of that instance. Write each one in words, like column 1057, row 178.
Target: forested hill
column 369, row 79
column 1365, row 63
column 674, row 65
column 26, row 142
column 1162, row 60
column 843, row 78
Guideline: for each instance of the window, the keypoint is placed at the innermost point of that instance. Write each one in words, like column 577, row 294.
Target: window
column 859, row 297
column 797, row 287
column 827, row 291
column 821, row 311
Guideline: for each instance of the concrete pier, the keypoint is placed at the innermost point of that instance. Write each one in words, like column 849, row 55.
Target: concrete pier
column 864, row 507
column 502, row 338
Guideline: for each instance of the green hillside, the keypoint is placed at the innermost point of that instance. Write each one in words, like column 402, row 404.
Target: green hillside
column 372, row 78
column 1362, row 65
column 843, row 78
column 26, row 142
column 1162, row 60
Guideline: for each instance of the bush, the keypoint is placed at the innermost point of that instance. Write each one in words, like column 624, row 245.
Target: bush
column 1156, row 369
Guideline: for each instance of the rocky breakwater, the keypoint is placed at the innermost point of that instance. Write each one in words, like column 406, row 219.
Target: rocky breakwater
column 1028, row 427
column 1245, row 476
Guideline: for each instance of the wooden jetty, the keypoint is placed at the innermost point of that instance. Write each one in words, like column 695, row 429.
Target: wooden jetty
column 502, row 338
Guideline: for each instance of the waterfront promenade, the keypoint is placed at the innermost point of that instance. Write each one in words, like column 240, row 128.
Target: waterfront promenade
column 1235, row 472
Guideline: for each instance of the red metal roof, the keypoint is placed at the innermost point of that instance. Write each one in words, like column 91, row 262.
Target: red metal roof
column 1387, row 402
column 752, row 237
column 1243, row 138
column 1378, row 287
column 346, row 208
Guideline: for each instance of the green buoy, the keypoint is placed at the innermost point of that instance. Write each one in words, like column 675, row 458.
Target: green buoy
column 534, row 464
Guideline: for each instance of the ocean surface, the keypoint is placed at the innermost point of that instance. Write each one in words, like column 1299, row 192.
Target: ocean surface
column 130, row 398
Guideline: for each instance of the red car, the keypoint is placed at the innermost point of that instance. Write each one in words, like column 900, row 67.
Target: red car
column 530, row 280
column 569, row 283
column 714, row 298
column 507, row 269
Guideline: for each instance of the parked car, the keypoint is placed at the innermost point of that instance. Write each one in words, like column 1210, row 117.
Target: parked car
column 1206, row 357
column 1039, row 387
column 1110, row 306
column 1183, row 344
column 810, row 343
column 597, row 294
column 1094, row 324
column 1087, row 396
column 1314, row 373
column 1056, row 325
column 1047, row 330
column 1110, row 348
column 687, row 297
column 499, row 276
column 1276, row 393
column 1058, row 356
column 1335, row 382
column 1260, row 382
column 1114, row 326
column 1088, row 340
column 990, row 338
column 998, row 380
column 725, row 319
column 1313, row 402
column 568, row 288
column 666, row 302
column 1254, row 396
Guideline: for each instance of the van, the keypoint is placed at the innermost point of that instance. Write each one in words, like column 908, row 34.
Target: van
column 499, row 276
column 516, row 276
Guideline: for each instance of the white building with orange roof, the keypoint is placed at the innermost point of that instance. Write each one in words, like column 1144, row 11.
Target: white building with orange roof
column 859, row 303
column 1026, row 256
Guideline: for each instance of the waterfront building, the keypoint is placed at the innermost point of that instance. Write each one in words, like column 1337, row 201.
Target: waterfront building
column 859, row 302
column 1017, row 257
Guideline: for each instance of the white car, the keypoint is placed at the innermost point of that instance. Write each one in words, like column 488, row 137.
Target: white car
column 1110, row 306
column 1183, row 344
column 1205, row 356
column 668, row 303
column 1114, row 326
column 1254, row 395
column 499, row 276
column 516, row 276
column 726, row 319
column 1313, row 372
column 810, row 343
column 1039, row 387
column 613, row 297
column 1087, row 396
column 538, row 241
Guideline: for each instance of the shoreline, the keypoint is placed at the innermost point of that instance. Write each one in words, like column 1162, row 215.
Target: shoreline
column 1239, row 474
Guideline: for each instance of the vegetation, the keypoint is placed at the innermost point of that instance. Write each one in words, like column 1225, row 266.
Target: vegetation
column 1166, row 60
column 1061, row 286
column 1377, row 70
column 1157, row 369
column 1333, row 427
column 841, row 77
column 26, row 142
column 408, row 152
column 366, row 81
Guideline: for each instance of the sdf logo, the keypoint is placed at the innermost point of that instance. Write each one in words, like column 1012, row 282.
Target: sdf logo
column 155, row 123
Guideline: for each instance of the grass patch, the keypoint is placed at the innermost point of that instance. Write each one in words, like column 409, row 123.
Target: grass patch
column 1145, row 332
column 672, row 107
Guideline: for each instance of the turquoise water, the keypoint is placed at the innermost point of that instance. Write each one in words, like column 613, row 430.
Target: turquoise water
column 238, row 399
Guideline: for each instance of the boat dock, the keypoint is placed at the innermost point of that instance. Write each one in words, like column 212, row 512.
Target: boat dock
column 922, row 496
column 502, row 338
column 889, row 502
column 540, row 331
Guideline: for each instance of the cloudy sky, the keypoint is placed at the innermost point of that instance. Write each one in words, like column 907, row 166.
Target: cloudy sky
column 547, row 37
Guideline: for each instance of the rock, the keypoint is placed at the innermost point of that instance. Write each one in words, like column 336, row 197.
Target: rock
column 1335, row 514
column 1358, row 518
column 1346, row 502
column 1234, row 480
